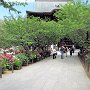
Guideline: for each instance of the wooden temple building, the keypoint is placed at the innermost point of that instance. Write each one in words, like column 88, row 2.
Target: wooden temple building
column 42, row 15
column 46, row 8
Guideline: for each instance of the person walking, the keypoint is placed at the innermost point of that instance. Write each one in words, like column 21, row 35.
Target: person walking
column 71, row 51
column 62, row 49
column 54, row 53
column 66, row 50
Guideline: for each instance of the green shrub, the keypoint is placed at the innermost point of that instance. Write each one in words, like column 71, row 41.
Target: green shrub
column 3, row 63
column 88, row 57
column 22, row 57
column 32, row 55
column 17, row 63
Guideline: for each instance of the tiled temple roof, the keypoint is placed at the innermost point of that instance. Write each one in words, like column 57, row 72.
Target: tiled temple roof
column 42, row 14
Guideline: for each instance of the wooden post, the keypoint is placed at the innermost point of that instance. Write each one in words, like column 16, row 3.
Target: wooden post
column 32, row 60
column 0, row 72
column 27, row 62
column 12, row 68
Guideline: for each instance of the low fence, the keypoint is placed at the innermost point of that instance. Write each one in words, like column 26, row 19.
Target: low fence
column 85, row 62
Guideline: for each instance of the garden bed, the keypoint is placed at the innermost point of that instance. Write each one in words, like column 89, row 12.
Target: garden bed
column 11, row 62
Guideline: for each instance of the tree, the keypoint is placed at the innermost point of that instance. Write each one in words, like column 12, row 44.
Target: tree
column 10, row 5
column 30, row 30
column 74, row 17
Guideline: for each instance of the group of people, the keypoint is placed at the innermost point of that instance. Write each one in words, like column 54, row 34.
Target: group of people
column 63, row 50
column 66, row 49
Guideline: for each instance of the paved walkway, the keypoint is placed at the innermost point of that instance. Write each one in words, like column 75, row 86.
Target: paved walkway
column 48, row 74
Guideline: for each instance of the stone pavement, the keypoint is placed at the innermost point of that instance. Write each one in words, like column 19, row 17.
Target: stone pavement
column 48, row 74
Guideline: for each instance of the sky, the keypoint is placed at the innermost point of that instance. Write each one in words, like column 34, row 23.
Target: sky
column 29, row 7
column 20, row 0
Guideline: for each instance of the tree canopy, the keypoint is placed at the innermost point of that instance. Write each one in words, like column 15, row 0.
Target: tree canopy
column 72, row 22
column 74, row 17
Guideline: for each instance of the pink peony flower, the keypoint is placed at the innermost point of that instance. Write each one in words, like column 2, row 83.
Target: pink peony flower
column 2, row 57
column 8, row 55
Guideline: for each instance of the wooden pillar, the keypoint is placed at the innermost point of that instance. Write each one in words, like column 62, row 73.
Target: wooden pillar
column 0, row 72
